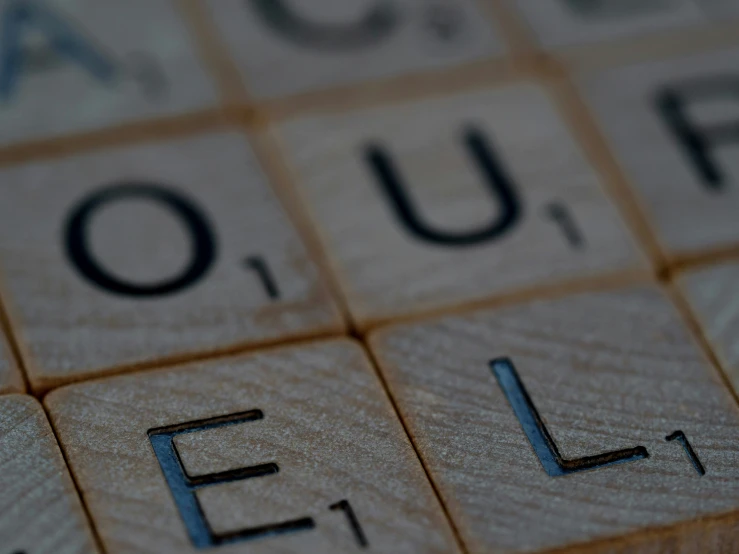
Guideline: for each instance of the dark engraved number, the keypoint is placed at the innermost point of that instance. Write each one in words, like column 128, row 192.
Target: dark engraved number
column 562, row 217
column 371, row 29
column 541, row 441
column 680, row 437
column 260, row 267
column 183, row 487
column 698, row 142
column 63, row 40
column 203, row 244
column 351, row 517
column 500, row 186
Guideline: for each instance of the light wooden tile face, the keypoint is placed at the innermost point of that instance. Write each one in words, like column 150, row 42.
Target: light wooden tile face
column 126, row 61
column 285, row 47
column 501, row 198
column 570, row 22
column 671, row 125
column 720, row 8
column 606, row 372
column 326, row 425
column 714, row 296
column 10, row 377
column 171, row 233
column 41, row 512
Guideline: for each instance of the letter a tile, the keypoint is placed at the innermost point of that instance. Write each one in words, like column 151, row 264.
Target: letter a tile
column 124, row 257
column 565, row 421
column 77, row 65
column 674, row 127
column 292, row 450
column 40, row 512
column 451, row 201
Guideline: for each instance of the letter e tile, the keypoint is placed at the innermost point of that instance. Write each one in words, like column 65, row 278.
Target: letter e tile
column 292, row 450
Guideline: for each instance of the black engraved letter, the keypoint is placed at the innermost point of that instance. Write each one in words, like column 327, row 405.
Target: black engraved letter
column 680, row 437
column 21, row 18
column 183, row 487
column 699, row 142
column 538, row 434
column 493, row 173
column 379, row 22
column 203, row 245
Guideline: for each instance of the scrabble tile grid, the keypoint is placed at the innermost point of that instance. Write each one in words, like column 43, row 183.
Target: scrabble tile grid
column 526, row 60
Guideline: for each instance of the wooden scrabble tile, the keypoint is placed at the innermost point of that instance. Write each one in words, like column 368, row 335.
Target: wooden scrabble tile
column 719, row 8
column 673, row 126
column 565, row 421
column 10, row 377
column 289, row 450
column 283, row 47
column 713, row 294
column 453, row 200
column 40, row 510
column 559, row 23
column 122, row 257
column 75, row 65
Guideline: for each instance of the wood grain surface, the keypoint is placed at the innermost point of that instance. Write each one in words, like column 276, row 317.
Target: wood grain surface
column 338, row 43
column 41, row 512
column 134, row 60
column 563, row 227
column 258, row 283
column 327, row 424
column 713, row 294
column 606, row 371
column 689, row 211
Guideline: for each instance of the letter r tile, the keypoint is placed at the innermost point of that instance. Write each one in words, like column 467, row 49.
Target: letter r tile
column 562, row 422
column 450, row 201
column 78, row 65
column 295, row 450
column 674, row 127
column 127, row 256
